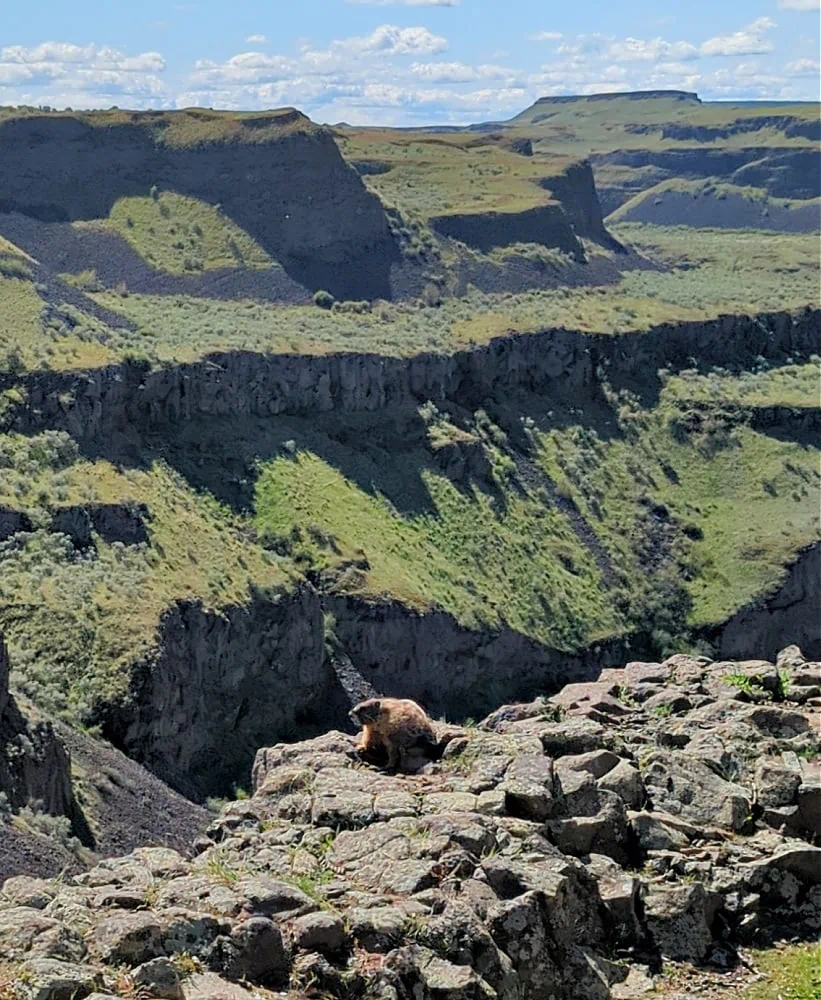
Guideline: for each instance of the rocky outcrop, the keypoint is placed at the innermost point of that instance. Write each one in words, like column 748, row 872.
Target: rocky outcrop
column 101, row 406
column 792, row 127
column 34, row 765
column 290, row 190
column 219, row 684
column 541, row 844
column 113, row 522
column 546, row 224
column 793, row 609
column 575, row 189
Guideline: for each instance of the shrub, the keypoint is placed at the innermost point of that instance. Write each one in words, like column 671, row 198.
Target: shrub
column 323, row 299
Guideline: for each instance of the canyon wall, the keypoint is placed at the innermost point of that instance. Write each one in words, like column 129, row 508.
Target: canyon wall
column 98, row 405
column 294, row 193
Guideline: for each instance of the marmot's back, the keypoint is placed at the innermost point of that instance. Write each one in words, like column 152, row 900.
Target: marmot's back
column 402, row 719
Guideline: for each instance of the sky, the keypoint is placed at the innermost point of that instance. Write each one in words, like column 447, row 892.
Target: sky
column 401, row 62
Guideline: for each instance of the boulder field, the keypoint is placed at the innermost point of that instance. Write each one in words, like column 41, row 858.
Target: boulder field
column 561, row 848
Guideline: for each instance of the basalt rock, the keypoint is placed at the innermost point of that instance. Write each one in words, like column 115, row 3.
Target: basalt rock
column 510, row 867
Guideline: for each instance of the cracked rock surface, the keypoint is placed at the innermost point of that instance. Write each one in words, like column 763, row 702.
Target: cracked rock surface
column 562, row 848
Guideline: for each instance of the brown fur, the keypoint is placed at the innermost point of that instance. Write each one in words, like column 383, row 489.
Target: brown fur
column 397, row 725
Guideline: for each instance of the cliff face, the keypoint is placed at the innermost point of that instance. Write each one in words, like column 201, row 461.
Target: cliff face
column 34, row 765
column 794, row 609
column 575, row 188
column 219, row 685
column 295, row 194
column 782, row 173
column 99, row 406
column 545, row 224
column 453, row 670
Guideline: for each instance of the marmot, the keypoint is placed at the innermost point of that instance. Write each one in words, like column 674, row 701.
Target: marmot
column 398, row 725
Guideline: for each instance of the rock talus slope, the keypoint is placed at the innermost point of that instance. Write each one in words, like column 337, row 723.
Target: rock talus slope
column 561, row 848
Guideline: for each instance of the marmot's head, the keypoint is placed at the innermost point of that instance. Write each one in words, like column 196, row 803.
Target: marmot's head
column 366, row 711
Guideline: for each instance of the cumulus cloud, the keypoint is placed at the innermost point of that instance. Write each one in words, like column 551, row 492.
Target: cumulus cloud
column 256, row 39
column 800, row 4
column 62, row 73
column 749, row 41
column 803, row 67
column 547, row 36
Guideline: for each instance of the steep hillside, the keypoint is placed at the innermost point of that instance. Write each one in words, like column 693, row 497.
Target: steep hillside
column 717, row 205
column 527, row 449
column 637, row 140
column 278, row 177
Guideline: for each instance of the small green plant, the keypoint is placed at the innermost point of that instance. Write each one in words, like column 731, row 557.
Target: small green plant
column 662, row 711
column 784, row 681
column 218, row 866
column 240, row 793
column 186, row 964
column 740, row 681
column 311, row 884
column 323, row 299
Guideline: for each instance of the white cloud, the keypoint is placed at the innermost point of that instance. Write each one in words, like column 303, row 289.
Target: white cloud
column 547, row 36
column 803, row 67
column 392, row 40
column 800, row 4
column 62, row 73
column 748, row 41
column 256, row 39
column 653, row 50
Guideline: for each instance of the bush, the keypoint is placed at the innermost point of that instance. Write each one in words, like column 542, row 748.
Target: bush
column 323, row 299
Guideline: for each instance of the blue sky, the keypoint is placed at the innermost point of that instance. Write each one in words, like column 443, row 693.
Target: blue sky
column 401, row 62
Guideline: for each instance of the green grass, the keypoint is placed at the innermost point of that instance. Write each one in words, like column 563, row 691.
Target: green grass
column 791, row 973
column 484, row 566
column 706, row 191
column 75, row 621
column 707, row 476
column 449, row 174
column 184, row 128
column 183, row 235
column 726, row 271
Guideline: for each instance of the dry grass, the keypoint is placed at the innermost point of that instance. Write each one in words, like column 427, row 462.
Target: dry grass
column 443, row 175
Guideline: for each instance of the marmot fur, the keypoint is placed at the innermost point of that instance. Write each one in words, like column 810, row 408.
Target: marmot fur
column 397, row 725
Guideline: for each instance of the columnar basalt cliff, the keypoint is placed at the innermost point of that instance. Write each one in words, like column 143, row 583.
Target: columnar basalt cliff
column 455, row 671
column 97, row 406
column 292, row 192
column 575, row 189
column 545, row 224
column 218, row 684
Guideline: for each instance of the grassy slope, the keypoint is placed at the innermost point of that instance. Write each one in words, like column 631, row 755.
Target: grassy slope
column 517, row 557
column 705, row 476
column 709, row 190
column 449, row 174
column 582, row 127
column 726, row 271
column 180, row 129
column 75, row 620
column 182, row 235
column 791, row 973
